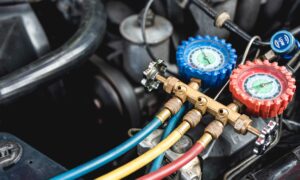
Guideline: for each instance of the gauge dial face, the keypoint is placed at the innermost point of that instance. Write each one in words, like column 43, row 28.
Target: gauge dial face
column 206, row 58
column 262, row 86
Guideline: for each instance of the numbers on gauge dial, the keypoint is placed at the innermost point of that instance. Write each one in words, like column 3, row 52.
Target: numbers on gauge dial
column 262, row 86
column 206, row 58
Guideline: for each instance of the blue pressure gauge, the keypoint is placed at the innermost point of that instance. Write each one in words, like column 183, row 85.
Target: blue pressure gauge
column 284, row 44
column 207, row 58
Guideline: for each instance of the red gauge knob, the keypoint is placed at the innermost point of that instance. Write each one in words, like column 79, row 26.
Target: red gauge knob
column 263, row 87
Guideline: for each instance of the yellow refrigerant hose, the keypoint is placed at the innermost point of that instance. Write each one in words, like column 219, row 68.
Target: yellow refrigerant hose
column 149, row 156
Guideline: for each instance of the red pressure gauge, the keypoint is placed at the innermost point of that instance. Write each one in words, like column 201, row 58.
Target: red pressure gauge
column 263, row 87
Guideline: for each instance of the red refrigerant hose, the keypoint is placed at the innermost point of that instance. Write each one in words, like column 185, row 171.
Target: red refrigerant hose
column 175, row 165
column 212, row 131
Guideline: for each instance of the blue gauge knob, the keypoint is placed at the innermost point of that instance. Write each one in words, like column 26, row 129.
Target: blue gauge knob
column 207, row 58
column 284, row 44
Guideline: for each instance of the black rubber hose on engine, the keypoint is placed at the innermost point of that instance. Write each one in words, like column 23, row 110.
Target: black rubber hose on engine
column 229, row 25
column 54, row 64
column 9, row 2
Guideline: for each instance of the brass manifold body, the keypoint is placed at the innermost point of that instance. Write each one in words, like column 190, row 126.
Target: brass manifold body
column 240, row 122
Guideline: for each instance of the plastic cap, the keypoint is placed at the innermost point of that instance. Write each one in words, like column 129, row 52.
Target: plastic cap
column 284, row 43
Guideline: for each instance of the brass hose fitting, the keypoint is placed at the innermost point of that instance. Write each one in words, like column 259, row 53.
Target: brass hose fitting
column 163, row 115
column 205, row 139
column 173, row 105
column 193, row 117
column 183, row 128
column 215, row 129
column 240, row 122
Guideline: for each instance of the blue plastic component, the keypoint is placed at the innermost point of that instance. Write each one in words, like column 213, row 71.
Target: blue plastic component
column 111, row 155
column 190, row 55
column 284, row 44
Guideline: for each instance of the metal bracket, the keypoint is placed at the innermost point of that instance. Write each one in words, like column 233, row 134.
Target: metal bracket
column 266, row 137
column 10, row 153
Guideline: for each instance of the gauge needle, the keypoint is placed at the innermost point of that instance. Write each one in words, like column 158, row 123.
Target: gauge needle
column 262, row 85
column 205, row 57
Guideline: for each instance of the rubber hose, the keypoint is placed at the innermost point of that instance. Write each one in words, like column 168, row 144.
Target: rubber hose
column 111, row 155
column 229, row 25
column 170, row 127
column 54, row 64
column 175, row 165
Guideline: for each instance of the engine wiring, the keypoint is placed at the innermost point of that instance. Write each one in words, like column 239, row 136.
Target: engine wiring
column 143, row 29
column 147, row 47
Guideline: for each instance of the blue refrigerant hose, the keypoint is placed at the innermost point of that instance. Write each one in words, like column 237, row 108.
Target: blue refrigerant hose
column 110, row 155
column 170, row 127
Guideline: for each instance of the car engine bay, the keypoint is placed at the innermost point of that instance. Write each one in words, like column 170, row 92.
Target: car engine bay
column 149, row 89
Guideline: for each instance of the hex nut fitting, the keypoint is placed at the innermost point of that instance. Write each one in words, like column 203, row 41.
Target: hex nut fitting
column 215, row 129
column 174, row 104
column 242, row 123
column 193, row 117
